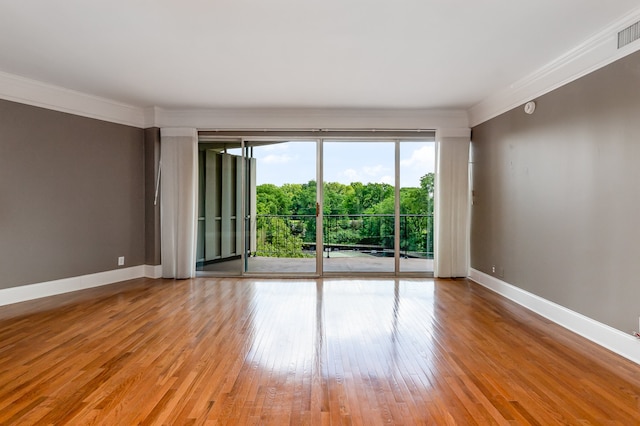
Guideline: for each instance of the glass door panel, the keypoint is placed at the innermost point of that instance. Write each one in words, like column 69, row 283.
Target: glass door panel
column 280, row 210
column 219, row 232
column 417, row 170
column 358, row 206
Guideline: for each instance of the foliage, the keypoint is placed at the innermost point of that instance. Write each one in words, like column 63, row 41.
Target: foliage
column 277, row 237
column 285, row 236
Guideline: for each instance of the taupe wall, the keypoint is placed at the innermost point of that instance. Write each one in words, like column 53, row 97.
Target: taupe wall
column 71, row 195
column 557, row 196
column 152, row 206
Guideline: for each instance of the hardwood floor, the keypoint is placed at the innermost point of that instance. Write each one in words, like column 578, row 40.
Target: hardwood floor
column 234, row 351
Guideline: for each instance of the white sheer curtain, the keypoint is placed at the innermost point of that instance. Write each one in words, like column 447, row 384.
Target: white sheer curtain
column 178, row 198
column 451, row 257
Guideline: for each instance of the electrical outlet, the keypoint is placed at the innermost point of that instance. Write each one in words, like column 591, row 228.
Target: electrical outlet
column 493, row 269
column 121, row 261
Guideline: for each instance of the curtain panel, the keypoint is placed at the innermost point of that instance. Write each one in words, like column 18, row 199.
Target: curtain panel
column 178, row 201
column 452, row 207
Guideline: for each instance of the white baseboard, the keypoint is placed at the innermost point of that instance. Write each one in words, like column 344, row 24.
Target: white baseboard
column 153, row 271
column 65, row 285
column 615, row 340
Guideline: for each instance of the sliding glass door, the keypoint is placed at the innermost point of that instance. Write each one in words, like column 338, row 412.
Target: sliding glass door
column 316, row 206
column 281, row 207
column 359, row 206
column 219, row 230
column 416, row 174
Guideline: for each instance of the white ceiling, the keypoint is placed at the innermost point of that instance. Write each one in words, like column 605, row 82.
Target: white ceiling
column 428, row 54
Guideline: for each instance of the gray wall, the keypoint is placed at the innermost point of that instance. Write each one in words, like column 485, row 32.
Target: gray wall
column 557, row 196
column 151, row 205
column 71, row 195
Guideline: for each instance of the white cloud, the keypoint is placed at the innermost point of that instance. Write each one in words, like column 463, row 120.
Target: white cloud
column 276, row 159
column 374, row 170
column 274, row 147
column 422, row 158
column 367, row 174
column 351, row 175
column 388, row 179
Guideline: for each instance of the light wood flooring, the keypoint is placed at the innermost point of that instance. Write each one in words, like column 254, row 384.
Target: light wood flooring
column 326, row 351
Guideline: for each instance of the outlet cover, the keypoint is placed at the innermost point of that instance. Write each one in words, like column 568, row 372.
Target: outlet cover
column 121, row 261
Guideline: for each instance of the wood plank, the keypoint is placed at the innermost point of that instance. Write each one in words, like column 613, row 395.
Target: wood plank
column 356, row 351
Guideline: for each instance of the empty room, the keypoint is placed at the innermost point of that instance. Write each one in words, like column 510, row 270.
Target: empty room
column 331, row 213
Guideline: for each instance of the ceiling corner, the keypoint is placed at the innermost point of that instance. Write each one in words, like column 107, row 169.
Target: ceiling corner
column 31, row 92
column 596, row 52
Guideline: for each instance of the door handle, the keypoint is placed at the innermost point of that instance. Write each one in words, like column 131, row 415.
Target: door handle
column 317, row 209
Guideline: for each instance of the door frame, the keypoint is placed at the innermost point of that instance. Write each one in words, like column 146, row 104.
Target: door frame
column 396, row 137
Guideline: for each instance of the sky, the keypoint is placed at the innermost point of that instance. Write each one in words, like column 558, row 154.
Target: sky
column 344, row 162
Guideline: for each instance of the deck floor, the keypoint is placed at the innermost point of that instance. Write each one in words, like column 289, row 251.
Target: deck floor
column 336, row 263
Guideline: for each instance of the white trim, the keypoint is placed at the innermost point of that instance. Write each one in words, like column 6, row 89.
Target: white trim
column 596, row 52
column 153, row 271
column 179, row 132
column 36, row 93
column 65, row 285
column 615, row 340
column 453, row 133
column 307, row 118
column 151, row 115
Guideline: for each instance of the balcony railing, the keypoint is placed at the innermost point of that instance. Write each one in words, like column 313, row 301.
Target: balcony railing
column 373, row 234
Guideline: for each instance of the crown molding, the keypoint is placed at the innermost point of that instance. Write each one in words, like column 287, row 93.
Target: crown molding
column 596, row 52
column 179, row 132
column 31, row 92
column 151, row 115
column 36, row 93
column 286, row 118
column 459, row 132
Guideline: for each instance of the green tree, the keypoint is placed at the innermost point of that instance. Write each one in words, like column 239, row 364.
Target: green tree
column 416, row 208
column 427, row 186
column 350, row 200
column 276, row 238
column 296, row 206
column 373, row 193
column 271, row 199
column 334, row 193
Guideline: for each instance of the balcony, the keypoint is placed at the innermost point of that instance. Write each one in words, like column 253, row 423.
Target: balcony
column 363, row 242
